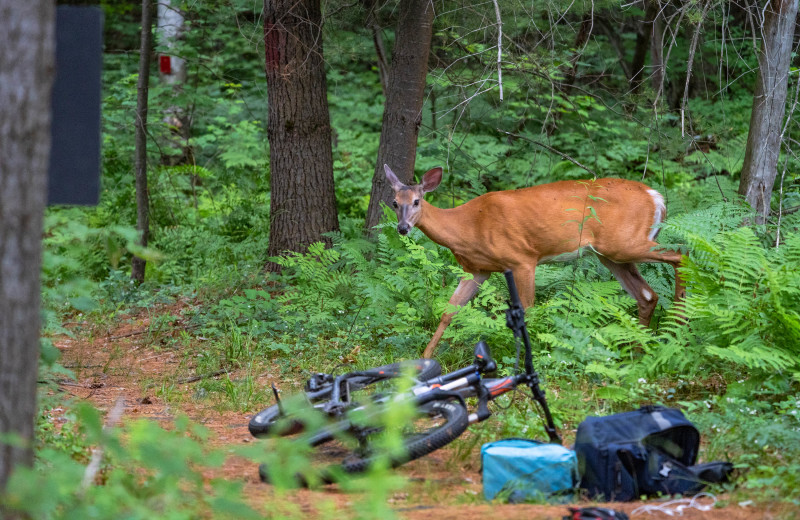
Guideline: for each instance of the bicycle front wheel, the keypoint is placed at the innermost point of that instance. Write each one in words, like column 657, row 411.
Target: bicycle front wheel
column 346, row 449
column 268, row 421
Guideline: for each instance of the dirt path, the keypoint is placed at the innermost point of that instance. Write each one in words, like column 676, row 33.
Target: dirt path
column 128, row 363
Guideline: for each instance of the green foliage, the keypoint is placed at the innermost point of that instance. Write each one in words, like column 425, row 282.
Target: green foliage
column 148, row 472
column 742, row 303
column 759, row 435
column 87, row 470
column 369, row 301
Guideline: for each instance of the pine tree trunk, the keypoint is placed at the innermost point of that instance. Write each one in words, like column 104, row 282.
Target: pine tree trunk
column 769, row 107
column 138, row 264
column 26, row 76
column 402, row 113
column 303, row 201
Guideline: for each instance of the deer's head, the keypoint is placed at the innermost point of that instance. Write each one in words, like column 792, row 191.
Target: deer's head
column 407, row 200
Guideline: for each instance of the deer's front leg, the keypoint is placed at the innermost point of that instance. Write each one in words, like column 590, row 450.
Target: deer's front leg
column 525, row 279
column 465, row 291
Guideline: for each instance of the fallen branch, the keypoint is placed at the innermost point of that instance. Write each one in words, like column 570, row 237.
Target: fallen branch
column 129, row 334
column 97, row 454
column 201, row 376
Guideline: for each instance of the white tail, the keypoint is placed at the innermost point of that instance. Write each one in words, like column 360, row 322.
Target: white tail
column 616, row 219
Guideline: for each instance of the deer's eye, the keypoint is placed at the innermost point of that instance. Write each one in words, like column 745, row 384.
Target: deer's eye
column 416, row 202
column 394, row 203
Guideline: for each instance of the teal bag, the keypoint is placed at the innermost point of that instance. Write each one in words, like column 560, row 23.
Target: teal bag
column 521, row 470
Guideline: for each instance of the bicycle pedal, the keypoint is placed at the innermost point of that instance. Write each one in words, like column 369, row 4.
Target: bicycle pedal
column 317, row 381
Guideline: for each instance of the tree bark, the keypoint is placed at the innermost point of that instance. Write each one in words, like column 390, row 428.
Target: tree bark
column 584, row 33
column 644, row 34
column 138, row 264
column 303, row 204
column 402, row 113
column 769, row 106
column 170, row 22
column 27, row 58
column 169, row 26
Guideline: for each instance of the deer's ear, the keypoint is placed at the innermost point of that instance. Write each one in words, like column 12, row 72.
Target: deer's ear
column 392, row 178
column 431, row 179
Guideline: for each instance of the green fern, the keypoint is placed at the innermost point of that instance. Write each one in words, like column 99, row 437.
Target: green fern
column 742, row 307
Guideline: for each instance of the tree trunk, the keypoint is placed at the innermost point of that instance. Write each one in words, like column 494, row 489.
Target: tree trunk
column 26, row 75
column 769, row 106
column 584, row 33
column 644, row 34
column 169, row 26
column 402, row 113
column 303, row 204
column 170, row 23
column 138, row 264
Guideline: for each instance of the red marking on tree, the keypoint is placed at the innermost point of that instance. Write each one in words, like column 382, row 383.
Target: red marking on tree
column 165, row 64
column 272, row 46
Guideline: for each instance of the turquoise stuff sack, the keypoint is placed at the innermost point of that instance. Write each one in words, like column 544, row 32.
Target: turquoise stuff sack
column 520, row 470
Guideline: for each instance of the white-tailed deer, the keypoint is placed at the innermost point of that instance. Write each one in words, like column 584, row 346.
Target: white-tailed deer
column 616, row 219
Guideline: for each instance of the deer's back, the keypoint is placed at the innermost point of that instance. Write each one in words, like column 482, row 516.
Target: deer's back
column 544, row 222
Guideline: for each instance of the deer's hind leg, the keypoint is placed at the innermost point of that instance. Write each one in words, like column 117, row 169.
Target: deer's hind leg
column 652, row 253
column 628, row 276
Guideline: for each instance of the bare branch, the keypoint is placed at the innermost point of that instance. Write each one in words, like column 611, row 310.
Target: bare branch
column 692, row 50
column 551, row 149
column 499, row 48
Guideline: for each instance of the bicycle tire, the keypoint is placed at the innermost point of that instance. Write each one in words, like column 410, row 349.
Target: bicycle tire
column 264, row 423
column 454, row 420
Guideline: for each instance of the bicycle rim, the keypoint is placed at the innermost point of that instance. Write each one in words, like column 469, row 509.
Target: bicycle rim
column 432, row 427
column 271, row 421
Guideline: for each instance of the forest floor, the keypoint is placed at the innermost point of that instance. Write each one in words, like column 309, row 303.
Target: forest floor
column 124, row 363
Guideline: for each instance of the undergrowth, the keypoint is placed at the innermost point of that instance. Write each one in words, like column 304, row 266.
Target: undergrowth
column 728, row 355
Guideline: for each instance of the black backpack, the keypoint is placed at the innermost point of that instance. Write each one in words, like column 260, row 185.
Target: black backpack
column 649, row 451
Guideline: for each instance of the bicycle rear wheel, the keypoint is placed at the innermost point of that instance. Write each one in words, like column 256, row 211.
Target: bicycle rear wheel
column 347, row 449
column 268, row 421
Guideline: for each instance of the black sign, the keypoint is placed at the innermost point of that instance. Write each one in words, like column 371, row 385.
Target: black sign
column 75, row 153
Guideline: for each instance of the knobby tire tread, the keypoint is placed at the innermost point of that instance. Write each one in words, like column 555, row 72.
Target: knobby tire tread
column 456, row 422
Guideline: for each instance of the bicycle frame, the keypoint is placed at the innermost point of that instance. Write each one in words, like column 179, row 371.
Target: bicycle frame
column 468, row 381
column 461, row 384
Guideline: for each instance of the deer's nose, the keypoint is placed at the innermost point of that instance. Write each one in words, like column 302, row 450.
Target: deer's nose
column 403, row 228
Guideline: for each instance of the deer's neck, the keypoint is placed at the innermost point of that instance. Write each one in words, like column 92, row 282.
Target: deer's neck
column 441, row 225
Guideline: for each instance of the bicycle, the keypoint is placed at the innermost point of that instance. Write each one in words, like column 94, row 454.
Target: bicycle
column 349, row 439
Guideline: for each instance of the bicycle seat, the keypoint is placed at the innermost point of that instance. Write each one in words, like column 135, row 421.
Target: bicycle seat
column 483, row 358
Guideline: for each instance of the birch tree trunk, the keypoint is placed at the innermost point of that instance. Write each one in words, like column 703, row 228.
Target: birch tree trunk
column 170, row 22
